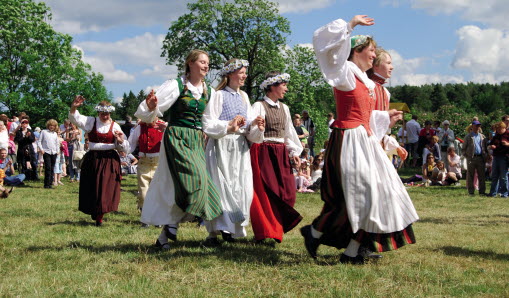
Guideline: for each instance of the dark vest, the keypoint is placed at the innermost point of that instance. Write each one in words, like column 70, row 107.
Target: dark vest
column 275, row 120
column 187, row 110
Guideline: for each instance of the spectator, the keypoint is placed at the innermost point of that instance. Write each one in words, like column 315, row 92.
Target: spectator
column 127, row 126
column 330, row 120
column 476, row 155
column 500, row 146
column 437, row 128
column 7, row 166
column 413, row 129
column 59, row 161
column 4, row 136
column 427, row 169
column 432, row 147
column 308, row 124
column 302, row 132
column 27, row 163
column 439, row 174
column 48, row 146
column 425, row 136
column 446, row 139
column 454, row 166
column 303, row 178
column 73, row 139
column 128, row 163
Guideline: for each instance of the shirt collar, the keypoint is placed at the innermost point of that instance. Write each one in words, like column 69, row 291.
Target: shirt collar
column 271, row 102
column 227, row 88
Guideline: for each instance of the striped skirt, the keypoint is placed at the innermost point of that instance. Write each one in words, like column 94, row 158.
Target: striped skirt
column 363, row 195
column 272, row 212
column 195, row 192
column 99, row 191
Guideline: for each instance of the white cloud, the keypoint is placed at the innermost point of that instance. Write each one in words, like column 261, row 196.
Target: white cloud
column 302, row 6
column 406, row 72
column 73, row 16
column 108, row 70
column 491, row 12
column 165, row 71
column 139, row 50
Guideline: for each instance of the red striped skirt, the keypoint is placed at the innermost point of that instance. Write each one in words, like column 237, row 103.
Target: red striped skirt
column 272, row 212
column 333, row 220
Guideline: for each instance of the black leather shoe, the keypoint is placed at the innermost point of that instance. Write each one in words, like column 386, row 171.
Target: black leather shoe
column 227, row 237
column 310, row 242
column 357, row 260
column 169, row 234
column 211, row 242
column 144, row 225
column 367, row 253
column 163, row 246
column 98, row 223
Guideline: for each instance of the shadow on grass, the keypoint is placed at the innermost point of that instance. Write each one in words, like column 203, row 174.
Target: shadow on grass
column 473, row 221
column 241, row 252
column 81, row 223
column 465, row 252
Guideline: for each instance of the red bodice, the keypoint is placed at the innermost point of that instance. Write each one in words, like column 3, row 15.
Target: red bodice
column 353, row 108
column 382, row 100
column 106, row 138
column 150, row 139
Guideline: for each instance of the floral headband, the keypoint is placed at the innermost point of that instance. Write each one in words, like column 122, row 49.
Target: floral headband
column 358, row 40
column 233, row 66
column 104, row 109
column 284, row 77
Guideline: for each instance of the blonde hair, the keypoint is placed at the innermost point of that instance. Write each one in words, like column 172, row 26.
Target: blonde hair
column 193, row 57
column 380, row 52
column 435, row 138
column 500, row 124
column 51, row 122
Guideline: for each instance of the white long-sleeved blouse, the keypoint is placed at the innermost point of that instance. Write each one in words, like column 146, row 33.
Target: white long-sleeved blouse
column 217, row 129
column 291, row 139
column 87, row 124
column 167, row 94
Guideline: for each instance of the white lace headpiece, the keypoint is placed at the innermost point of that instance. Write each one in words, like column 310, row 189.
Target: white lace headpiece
column 233, row 66
column 104, row 109
column 284, row 77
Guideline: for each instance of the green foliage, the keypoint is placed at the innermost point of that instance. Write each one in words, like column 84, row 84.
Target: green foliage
column 40, row 71
column 128, row 105
column 308, row 90
column 245, row 29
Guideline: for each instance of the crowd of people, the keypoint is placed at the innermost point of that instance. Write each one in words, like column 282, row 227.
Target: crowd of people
column 207, row 154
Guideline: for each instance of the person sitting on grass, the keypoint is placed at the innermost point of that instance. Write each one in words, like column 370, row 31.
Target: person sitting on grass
column 454, row 167
column 427, row 169
column 7, row 166
column 439, row 174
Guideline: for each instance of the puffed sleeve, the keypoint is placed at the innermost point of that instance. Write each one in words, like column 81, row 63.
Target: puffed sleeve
column 166, row 95
column 332, row 48
column 292, row 141
column 133, row 138
column 212, row 126
column 255, row 135
column 84, row 122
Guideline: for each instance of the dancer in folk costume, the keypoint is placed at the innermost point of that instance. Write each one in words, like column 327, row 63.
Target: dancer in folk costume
column 228, row 120
column 182, row 188
column 272, row 212
column 365, row 201
column 100, row 170
column 147, row 137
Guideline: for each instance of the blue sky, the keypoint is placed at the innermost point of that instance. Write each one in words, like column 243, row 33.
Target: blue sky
column 431, row 41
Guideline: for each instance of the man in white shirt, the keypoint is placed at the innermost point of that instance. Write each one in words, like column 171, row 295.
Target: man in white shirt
column 413, row 128
column 446, row 139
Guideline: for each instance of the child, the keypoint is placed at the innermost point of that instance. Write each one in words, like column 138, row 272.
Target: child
column 439, row 174
column 303, row 179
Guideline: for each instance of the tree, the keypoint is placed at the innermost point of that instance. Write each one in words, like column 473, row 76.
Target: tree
column 245, row 29
column 308, row 90
column 40, row 71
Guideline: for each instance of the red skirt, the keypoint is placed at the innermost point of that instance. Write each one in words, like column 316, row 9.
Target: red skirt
column 100, row 182
column 272, row 212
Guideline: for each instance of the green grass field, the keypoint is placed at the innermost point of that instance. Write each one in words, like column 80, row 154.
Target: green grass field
column 49, row 248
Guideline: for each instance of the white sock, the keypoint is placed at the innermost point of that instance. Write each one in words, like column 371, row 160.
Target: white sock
column 315, row 233
column 162, row 237
column 352, row 248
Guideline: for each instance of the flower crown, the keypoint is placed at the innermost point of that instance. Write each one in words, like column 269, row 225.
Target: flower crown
column 358, row 40
column 104, row 109
column 233, row 66
column 284, row 77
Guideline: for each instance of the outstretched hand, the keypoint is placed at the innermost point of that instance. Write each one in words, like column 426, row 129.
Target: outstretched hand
column 78, row 101
column 119, row 135
column 362, row 20
column 151, row 100
column 395, row 116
